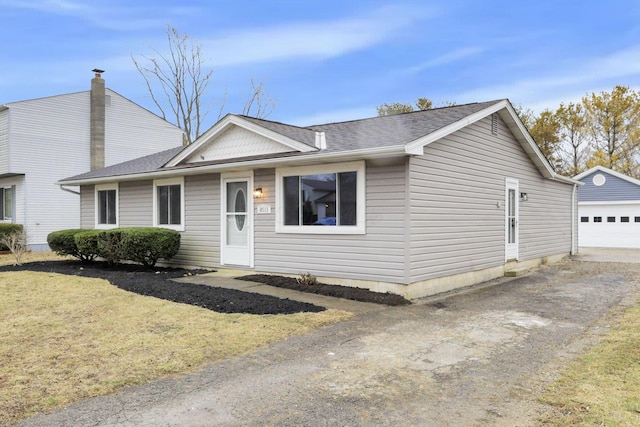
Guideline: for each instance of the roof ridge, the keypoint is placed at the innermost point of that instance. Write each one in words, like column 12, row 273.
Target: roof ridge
column 404, row 113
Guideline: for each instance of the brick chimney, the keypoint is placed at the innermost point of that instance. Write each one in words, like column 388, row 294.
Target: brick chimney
column 97, row 120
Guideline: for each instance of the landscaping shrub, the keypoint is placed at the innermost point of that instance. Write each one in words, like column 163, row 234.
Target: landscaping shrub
column 110, row 245
column 87, row 243
column 8, row 229
column 146, row 245
column 63, row 243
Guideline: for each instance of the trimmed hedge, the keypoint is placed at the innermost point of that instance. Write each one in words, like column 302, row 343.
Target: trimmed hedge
column 144, row 245
column 7, row 229
column 87, row 243
column 63, row 243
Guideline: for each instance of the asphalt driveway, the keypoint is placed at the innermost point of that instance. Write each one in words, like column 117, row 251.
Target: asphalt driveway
column 477, row 357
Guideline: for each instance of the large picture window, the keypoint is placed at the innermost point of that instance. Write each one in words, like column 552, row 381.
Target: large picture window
column 106, row 206
column 168, row 200
column 321, row 199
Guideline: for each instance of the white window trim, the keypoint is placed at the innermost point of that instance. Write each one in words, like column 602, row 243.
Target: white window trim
column 103, row 187
column 358, row 167
column 169, row 181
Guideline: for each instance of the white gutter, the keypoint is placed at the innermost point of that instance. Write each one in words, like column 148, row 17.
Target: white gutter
column 369, row 153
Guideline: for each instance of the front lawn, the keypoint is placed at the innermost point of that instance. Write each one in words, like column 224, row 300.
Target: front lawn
column 66, row 338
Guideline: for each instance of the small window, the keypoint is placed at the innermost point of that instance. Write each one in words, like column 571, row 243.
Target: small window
column 168, row 201
column 624, row 219
column 597, row 219
column 6, row 204
column 636, row 219
column 106, row 206
column 584, row 219
column 611, row 219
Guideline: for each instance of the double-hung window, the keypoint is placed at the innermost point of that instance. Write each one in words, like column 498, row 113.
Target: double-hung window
column 168, row 202
column 6, row 204
column 107, row 206
column 324, row 199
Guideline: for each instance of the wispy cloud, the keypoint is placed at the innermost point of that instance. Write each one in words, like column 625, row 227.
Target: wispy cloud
column 313, row 39
column 446, row 59
column 582, row 76
column 111, row 16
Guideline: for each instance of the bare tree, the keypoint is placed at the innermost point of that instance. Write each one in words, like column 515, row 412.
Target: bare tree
column 182, row 82
column 259, row 103
column 178, row 86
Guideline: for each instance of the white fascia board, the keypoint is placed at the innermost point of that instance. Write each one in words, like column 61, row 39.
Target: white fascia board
column 610, row 172
column 566, row 179
column 231, row 120
column 364, row 154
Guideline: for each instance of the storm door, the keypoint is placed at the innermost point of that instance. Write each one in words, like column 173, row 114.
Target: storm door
column 512, row 219
column 237, row 223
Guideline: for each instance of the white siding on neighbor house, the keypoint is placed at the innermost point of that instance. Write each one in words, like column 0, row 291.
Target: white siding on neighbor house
column 131, row 131
column 457, row 204
column 377, row 255
column 4, row 142
column 135, row 204
column 237, row 142
column 49, row 141
column 200, row 241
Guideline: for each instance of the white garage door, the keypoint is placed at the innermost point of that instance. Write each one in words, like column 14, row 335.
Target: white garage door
column 609, row 225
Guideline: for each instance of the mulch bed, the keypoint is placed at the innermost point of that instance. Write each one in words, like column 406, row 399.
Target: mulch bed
column 157, row 283
column 346, row 292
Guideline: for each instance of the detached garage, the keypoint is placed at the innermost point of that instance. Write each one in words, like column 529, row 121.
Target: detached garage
column 609, row 209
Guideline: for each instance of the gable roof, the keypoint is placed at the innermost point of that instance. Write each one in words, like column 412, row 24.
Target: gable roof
column 599, row 168
column 400, row 134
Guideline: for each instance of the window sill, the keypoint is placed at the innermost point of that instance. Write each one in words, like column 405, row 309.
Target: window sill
column 320, row 229
column 177, row 227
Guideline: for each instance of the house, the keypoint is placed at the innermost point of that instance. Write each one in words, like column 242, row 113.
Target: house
column 609, row 209
column 44, row 140
column 414, row 204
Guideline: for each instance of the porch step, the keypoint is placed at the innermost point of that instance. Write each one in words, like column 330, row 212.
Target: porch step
column 516, row 272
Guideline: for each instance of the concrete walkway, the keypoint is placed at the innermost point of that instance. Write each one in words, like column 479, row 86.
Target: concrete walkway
column 225, row 278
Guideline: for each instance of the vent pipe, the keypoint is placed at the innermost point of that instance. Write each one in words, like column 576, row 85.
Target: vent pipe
column 97, row 120
column 321, row 141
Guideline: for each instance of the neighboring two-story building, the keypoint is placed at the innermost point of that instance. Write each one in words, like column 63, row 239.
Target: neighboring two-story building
column 47, row 139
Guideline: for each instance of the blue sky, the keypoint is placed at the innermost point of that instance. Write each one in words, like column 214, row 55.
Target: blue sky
column 331, row 60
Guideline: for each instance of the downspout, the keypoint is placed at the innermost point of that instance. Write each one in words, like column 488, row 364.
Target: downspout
column 574, row 225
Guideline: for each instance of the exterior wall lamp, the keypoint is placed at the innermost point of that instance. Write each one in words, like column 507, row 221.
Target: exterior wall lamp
column 257, row 193
column 524, row 197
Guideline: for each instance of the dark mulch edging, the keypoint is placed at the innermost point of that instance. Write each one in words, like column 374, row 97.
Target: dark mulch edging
column 346, row 292
column 157, row 283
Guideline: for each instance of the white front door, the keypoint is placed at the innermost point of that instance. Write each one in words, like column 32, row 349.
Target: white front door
column 512, row 219
column 237, row 222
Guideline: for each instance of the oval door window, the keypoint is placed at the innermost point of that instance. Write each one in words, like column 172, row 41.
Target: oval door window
column 240, row 205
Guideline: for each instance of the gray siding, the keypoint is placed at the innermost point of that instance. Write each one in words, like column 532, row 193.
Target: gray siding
column 613, row 190
column 135, row 204
column 87, row 207
column 457, row 204
column 200, row 242
column 377, row 255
